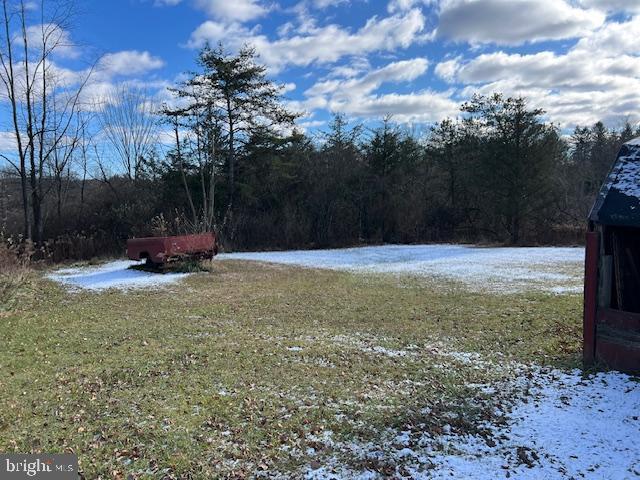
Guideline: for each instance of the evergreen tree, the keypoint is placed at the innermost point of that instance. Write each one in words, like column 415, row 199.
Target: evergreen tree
column 516, row 167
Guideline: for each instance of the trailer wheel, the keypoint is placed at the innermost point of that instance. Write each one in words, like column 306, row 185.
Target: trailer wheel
column 151, row 265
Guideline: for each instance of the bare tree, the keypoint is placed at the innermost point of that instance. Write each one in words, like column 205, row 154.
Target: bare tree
column 85, row 144
column 198, row 149
column 43, row 99
column 61, row 160
column 128, row 122
column 174, row 116
column 4, row 207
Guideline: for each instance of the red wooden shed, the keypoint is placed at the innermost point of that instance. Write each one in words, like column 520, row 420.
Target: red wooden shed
column 612, row 270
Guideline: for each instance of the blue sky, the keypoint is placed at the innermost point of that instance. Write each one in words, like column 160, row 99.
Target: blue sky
column 416, row 60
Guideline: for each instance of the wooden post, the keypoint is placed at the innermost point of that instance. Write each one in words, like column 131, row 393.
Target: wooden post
column 590, row 296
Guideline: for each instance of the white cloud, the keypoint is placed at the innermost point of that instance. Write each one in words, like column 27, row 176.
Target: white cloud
column 288, row 87
column 614, row 38
column 514, row 22
column 356, row 66
column 99, row 91
column 306, row 125
column 357, row 96
column 307, row 106
column 596, row 76
column 8, row 142
column 447, row 70
column 401, row 71
column 328, row 3
column 58, row 78
column 402, row 5
column 303, row 6
column 129, row 63
column 399, row 5
column 96, row 93
column 236, row 10
column 549, row 70
column 597, row 79
column 52, row 37
column 424, row 106
column 613, row 5
column 320, row 45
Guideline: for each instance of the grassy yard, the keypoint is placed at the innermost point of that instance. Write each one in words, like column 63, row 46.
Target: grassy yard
column 238, row 372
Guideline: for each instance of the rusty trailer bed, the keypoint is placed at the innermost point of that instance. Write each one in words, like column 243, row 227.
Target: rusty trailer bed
column 161, row 250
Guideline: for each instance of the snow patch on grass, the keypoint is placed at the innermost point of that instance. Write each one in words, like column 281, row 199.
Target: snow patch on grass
column 366, row 344
column 115, row 274
column 506, row 270
column 568, row 427
column 560, row 425
column 575, row 290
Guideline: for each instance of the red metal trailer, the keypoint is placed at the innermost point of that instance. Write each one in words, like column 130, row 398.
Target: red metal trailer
column 612, row 268
column 161, row 250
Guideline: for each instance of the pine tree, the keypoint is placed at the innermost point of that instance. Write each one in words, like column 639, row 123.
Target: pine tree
column 237, row 86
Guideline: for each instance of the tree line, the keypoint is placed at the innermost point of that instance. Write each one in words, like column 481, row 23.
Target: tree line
column 225, row 154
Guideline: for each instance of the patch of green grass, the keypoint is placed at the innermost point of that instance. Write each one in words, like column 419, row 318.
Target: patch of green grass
column 236, row 371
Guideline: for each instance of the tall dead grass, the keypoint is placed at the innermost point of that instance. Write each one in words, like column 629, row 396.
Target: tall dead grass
column 14, row 270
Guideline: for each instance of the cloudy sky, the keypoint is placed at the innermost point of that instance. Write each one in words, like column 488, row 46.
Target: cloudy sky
column 414, row 59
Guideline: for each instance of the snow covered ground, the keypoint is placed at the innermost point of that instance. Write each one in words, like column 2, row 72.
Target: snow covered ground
column 545, row 423
column 557, row 270
column 112, row 275
column 568, row 427
column 554, row 269
column 560, row 426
